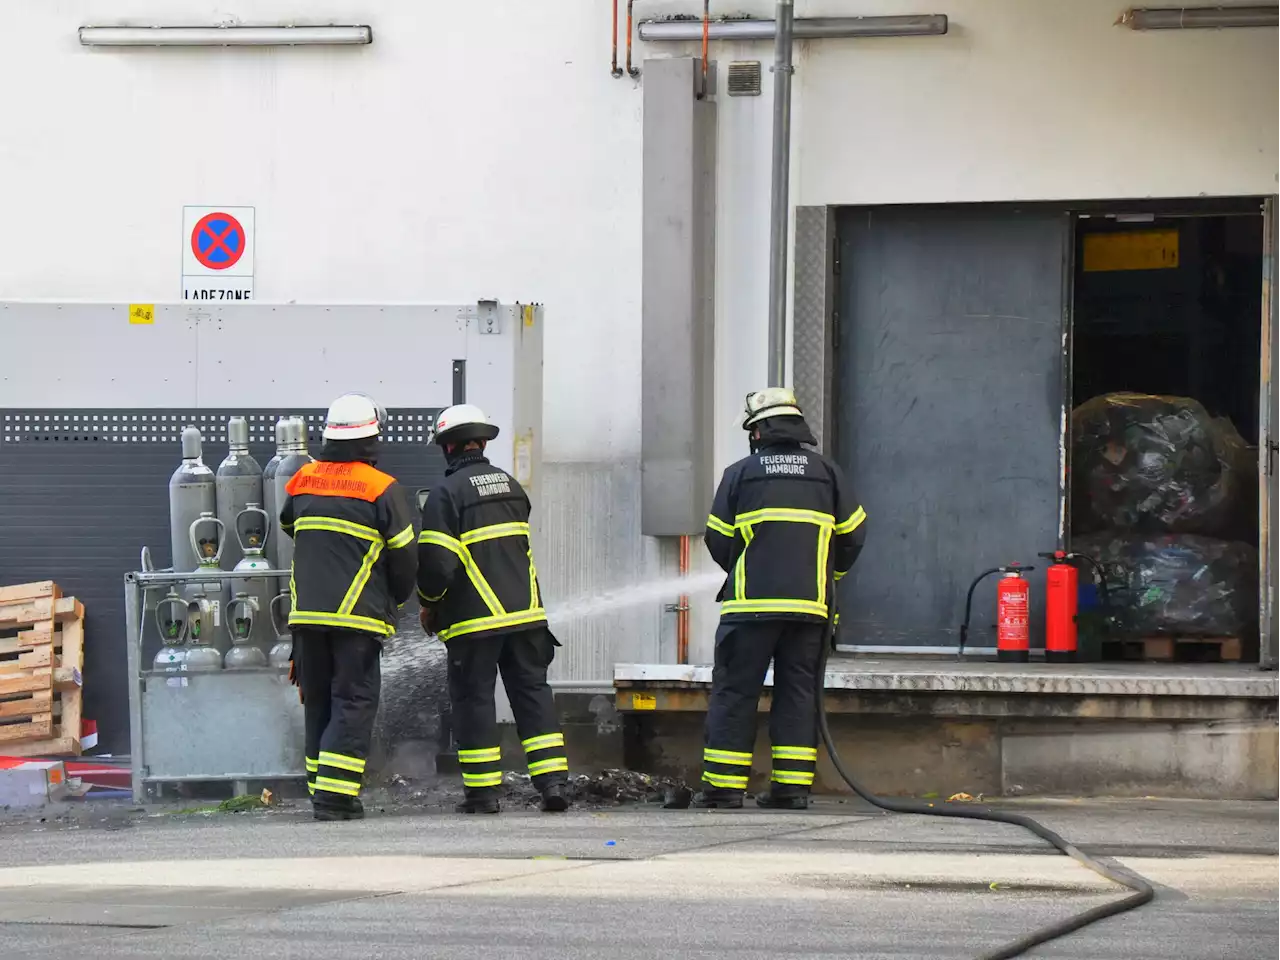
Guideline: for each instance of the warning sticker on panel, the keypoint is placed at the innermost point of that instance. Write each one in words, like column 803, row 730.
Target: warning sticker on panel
column 142, row 313
column 643, row 701
column 524, row 459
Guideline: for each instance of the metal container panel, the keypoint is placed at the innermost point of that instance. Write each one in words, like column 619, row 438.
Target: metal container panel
column 234, row 724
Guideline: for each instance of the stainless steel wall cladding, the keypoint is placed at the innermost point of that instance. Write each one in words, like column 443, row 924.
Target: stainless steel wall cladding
column 812, row 339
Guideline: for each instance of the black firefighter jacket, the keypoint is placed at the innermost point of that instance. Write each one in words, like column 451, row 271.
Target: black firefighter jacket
column 353, row 562
column 475, row 564
column 784, row 523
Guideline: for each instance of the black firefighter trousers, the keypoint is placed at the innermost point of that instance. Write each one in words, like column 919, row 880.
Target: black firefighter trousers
column 340, row 680
column 743, row 652
column 522, row 657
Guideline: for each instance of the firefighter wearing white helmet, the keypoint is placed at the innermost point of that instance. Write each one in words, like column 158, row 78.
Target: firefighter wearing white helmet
column 353, row 566
column 784, row 525
column 354, row 416
column 479, row 592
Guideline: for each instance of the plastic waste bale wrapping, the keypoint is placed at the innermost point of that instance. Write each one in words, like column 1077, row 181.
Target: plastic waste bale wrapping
column 1184, row 584
column 1159, row 465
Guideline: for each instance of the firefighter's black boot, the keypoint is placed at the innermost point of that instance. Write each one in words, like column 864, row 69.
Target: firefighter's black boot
column 337, row 808
column 554, row 799
column 716, row 798
column 778, row 799
column 478, row 801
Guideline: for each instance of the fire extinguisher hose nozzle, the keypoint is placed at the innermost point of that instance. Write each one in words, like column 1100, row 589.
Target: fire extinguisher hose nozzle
column 968, row 606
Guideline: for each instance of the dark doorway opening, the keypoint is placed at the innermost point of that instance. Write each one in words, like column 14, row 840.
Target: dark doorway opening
column 1189, row 326
column 1166, row 490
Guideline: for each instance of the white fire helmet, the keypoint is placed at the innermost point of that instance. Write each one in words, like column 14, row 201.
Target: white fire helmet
column 462, row 423
column 354, row 416
column 770, row 402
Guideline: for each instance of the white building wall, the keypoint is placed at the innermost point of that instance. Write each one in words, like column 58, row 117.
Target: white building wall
column 481, row 149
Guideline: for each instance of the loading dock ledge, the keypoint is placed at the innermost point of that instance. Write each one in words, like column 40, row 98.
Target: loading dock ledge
column 924, row 726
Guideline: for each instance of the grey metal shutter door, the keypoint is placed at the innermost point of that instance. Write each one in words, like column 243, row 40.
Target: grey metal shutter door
column 950, row 396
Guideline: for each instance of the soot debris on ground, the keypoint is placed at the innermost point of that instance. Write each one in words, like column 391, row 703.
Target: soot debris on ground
column 608, row 788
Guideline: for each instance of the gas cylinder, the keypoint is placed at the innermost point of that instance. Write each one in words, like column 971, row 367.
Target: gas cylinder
column 269, row 490
column 171, row 619
column 205, row 598
column 191, row 493
column 237, row 484
column 283, row 649
column 246, row 617
column 242, row 617
column 294, row 460
column 1061, row 597
column 1013, row 622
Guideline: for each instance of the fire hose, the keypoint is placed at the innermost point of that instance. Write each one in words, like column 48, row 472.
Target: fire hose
column 1142, row 890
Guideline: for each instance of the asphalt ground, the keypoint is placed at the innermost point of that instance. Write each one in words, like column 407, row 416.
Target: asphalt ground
column 837, row 881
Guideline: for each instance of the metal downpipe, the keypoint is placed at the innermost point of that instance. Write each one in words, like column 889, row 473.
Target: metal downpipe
column 779, row 200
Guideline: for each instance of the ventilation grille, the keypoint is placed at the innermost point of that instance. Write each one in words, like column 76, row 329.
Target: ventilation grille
column 152, row 426
column 744, row 78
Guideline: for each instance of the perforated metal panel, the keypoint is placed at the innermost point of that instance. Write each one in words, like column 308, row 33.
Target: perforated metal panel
column 152, row 426
column 85, row 490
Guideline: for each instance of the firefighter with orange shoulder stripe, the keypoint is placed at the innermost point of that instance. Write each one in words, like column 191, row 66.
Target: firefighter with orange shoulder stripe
column 353, row 567
column 784, row 525
column 479, row 592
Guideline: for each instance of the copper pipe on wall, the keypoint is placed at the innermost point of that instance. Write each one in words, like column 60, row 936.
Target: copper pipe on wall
column 617, row 71
column 633, row 72
column 706, row 43
column 682, row 607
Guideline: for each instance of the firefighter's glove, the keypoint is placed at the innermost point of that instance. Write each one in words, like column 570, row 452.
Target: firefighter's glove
column 294, row 678
column 428, row 619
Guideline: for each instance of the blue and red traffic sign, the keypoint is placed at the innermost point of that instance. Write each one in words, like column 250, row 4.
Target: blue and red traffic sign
column 218, row 241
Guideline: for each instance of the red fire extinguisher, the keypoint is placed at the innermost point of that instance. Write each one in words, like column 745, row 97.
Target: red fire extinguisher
column 1061, row 602
column 1061, row 597
column 1013, row 613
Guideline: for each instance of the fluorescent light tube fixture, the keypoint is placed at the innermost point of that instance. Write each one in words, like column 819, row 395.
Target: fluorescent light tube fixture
column 229, row 36
column 806, row 28
column 1199, row 18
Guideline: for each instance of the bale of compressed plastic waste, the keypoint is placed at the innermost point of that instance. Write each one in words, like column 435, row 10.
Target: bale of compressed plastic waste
column 1159, row 465
column 1179, row 584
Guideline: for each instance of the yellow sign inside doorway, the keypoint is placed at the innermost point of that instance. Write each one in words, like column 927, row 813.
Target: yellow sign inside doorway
column 1131, row 250
column 142, row 313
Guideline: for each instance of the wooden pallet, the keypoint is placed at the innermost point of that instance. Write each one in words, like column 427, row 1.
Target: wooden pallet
column 1172, row 648
column 41, row 664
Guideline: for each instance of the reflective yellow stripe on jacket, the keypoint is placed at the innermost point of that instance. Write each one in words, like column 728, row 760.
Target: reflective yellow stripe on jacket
column 746, row 524
column 853, row 523
column 342, row 618
column 498, row 616
column 459, row 549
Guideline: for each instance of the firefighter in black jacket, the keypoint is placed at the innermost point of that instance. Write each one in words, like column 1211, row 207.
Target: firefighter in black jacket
column 783, row 525
column 353, row 566
column 479, row 593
